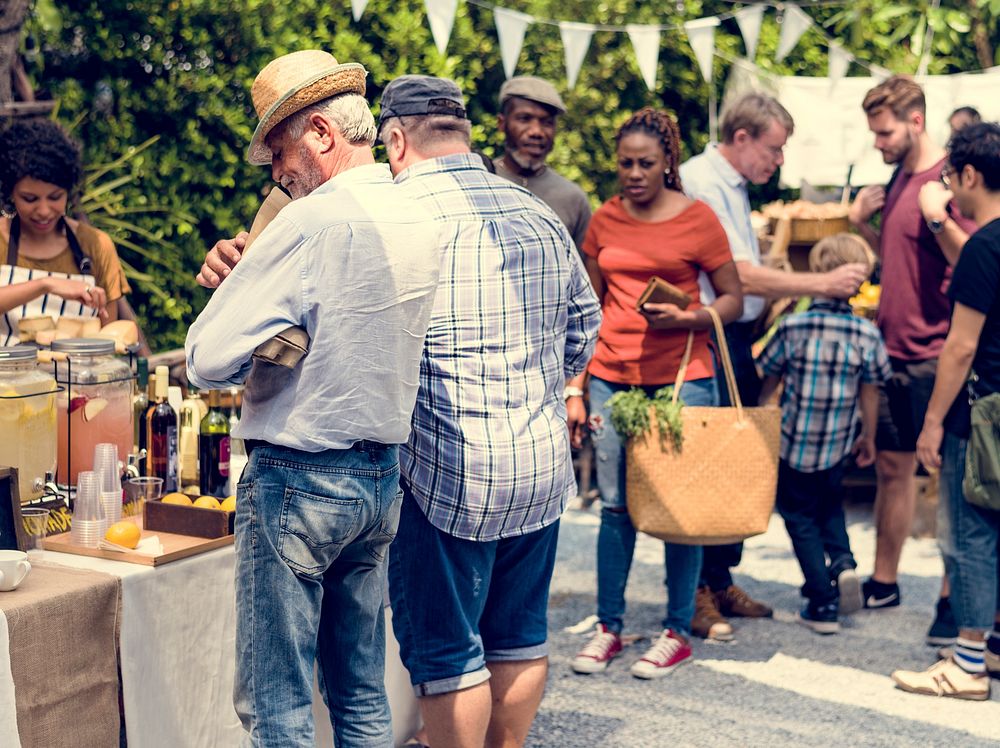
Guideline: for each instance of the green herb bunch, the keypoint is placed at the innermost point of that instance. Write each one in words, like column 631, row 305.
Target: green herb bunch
column 630, row 414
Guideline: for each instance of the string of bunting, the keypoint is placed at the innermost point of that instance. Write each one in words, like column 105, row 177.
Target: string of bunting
column 511, row 26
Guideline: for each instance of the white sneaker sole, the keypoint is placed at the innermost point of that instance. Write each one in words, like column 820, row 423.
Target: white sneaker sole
column 849, row 585
column 649, row 671
column 588, row 667
column 820, row 627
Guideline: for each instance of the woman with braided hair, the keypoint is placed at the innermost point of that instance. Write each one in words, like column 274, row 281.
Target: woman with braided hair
column 49, row 263
column 650, row 229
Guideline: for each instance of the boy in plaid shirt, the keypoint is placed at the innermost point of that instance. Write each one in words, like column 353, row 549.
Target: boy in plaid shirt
column 830, row 361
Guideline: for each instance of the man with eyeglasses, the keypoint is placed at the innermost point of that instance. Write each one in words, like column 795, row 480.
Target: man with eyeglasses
column 919, row 240
column 754, row 130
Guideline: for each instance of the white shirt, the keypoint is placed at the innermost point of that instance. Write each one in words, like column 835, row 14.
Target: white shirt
column 709, row 177
column 356, row 264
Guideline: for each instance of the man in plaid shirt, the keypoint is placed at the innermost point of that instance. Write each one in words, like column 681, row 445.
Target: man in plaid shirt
column 487, row 470
column 829, row 360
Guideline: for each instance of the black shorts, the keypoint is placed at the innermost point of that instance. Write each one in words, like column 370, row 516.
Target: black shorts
column 903, row 403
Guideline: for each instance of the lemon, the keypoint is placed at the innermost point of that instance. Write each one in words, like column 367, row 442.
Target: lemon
column 125, row 534
column 229, row 504
column 193, row 491
column 176, row 498
column 207, row 502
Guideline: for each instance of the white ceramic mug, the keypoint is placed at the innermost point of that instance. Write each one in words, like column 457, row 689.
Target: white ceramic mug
column 14, row 567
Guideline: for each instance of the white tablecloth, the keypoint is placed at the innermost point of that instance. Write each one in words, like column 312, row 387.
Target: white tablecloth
column 178, row 656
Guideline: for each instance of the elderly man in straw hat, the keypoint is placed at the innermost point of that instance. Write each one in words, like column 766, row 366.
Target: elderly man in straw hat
column 486, row 471
column 355, row 263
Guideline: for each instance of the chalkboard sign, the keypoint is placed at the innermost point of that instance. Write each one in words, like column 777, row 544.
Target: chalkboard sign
column 12, row 535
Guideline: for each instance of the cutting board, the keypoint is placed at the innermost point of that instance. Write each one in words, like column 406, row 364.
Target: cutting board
column 175, row 547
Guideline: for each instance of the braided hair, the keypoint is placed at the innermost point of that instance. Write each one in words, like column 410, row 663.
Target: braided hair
column 660, row 126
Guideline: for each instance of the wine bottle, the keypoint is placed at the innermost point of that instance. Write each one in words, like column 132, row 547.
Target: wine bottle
column 214, row 449
column 161, row 435
column 140, row 403
column 193, row 409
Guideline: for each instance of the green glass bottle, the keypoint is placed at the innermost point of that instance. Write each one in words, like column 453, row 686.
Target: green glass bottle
column 213, row 450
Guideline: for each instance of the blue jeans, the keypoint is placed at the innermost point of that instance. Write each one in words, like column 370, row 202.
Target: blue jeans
column 812, row 506
column 616, row 538
column 312, row 533
column 969, row 536
column 459, row 604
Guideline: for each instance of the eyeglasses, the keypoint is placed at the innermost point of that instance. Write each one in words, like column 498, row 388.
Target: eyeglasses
column 946, row 172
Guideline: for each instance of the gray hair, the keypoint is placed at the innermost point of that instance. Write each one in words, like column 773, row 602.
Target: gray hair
column 348, row 113
column 429, row 131
column 754, row 112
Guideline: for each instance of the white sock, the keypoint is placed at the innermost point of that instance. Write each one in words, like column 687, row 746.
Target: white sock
column 969, row 655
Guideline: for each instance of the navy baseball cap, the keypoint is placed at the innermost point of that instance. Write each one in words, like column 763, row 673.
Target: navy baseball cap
column 415, row 95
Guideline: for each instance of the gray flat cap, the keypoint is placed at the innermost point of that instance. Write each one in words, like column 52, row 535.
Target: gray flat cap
column 535, row 89
column 410, row 95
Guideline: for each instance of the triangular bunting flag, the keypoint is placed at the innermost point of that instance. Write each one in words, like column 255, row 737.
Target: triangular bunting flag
column 839, row 61
column 441, row 16
column 358, row 7
column 701, row 35
column 879, row 73
column 646, row 43
column 576, row 41
column 511, row 26
column 794, row 25
column 749, row 19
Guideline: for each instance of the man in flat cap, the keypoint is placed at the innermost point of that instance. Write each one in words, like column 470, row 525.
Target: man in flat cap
column 355, row 263
column 529, row 111
column 487, row 470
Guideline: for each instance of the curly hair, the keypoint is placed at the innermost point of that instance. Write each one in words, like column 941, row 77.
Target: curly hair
column 40, row 149
column 662, row 127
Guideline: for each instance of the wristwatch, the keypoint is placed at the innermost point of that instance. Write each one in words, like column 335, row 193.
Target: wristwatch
column 936, row 226
column 572, row 392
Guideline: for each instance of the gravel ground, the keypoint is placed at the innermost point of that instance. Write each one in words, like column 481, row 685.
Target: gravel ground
column 776, row 684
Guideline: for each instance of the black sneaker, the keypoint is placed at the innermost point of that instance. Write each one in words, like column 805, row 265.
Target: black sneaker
column 849, row 588
column 820, row 618
column 879, row 595
column 943, row 631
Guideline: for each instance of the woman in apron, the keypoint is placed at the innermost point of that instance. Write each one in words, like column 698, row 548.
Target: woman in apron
column 52, row 265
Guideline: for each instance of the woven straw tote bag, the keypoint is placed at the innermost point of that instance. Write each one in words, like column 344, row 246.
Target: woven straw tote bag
column 720, row 486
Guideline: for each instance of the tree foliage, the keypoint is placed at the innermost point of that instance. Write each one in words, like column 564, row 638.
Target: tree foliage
column 128, row 70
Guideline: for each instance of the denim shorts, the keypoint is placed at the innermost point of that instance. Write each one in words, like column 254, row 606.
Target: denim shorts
column 458, row 604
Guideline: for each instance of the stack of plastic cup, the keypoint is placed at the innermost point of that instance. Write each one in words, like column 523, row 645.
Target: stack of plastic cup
column 109, row 475
column 89, row 523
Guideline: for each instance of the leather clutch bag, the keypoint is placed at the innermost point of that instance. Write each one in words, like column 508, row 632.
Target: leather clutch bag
column 658, row 291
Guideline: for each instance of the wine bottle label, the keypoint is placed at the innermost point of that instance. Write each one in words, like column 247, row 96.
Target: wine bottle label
column 224, row 452
column 170, row 484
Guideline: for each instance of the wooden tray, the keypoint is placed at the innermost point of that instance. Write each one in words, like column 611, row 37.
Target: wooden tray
column 175, row 547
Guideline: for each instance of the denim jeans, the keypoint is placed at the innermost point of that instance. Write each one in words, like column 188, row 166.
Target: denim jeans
column 312, row 532
column 969, row 537
column 812, row 506
column 459, row 605
column 616, row 538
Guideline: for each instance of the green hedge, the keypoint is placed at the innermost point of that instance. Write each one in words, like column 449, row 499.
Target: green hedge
column 126, row 70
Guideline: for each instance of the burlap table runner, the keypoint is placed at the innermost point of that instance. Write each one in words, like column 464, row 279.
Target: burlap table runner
column 63, row 626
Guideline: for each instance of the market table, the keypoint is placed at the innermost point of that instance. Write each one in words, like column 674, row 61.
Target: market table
column 177, row 649
column 58, row 635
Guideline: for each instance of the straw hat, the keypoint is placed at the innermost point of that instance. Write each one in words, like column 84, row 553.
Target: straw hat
column 293, row 82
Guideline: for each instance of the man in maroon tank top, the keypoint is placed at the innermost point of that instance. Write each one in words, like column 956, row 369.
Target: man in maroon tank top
column 917, row 252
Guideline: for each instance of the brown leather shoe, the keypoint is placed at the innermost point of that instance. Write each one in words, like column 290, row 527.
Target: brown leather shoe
column 708, row 623
column 733, row 601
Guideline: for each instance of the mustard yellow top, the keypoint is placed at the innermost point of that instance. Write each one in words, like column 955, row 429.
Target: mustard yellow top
column 98, row 246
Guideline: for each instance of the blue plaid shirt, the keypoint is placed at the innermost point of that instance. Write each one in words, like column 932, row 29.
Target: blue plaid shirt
column 513, row 318
column 824, row 355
